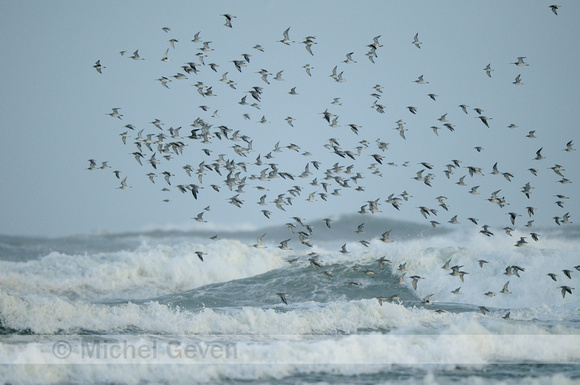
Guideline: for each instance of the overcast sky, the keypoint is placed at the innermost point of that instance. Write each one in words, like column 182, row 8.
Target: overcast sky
column 55, row 106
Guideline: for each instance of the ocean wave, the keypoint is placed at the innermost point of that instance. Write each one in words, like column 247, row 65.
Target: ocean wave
column 371, row 356
column 43, row 315
column 266, row 374
column 169, row 267
column 533, row 287
column 150, row 270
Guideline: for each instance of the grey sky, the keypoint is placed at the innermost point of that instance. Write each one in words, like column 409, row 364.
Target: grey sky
column 54, row 107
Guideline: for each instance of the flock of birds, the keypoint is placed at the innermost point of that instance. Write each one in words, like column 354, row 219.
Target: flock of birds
column 154, row 150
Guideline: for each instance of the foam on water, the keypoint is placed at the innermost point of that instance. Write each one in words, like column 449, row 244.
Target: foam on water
column 425, row 257
column 262, row 374
column 150, row 270
column 166, row 267
column 264, row 360
column 42, row 315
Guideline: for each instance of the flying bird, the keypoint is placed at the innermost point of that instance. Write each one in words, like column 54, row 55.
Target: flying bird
column 488, row 70
column 115, row 113
column 136, row 56
column 228, row 20
column 420, row 80
column 416, row 41
column 99, row 67
column 124, row 184
column 286, row 40
column 566, row 289
column 520, row 62
column 200, row 255
column 283, row 297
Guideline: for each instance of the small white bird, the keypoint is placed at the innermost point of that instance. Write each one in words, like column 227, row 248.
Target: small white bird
column 199, row 217
column 454, row 220
column 283, row 297
column 196, row 38
column 99, row 67
column 415, row 279
column 505, row 288
column 229, row 20
column 420, row 80
column 286, row 39
column 520, row 62
column 124, row 184
column 566, row 289
column 484, row 120
column 426, row 300
column 349, row 59
column 488, row 70
column 416, row 41
column 284, row 245
column 136, row 56
column 259, row 244
column 115, row 113
column 165, row 58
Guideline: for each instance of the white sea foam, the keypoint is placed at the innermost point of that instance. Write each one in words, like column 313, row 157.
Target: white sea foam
column 426, row 256
column 164, row 267
column 272, row 343
column 242, row 358
column 532, row 289
column 150, row 270
column 44, row 315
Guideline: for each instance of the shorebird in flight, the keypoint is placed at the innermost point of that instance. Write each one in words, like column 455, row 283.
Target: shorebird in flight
column 349, row 59
column 484, row 119
column 566, row 289
column 520, row 62
column 416, row 41
column 228, row 20
column 165, row 58
column 259, row 243
column 286, row 40
column 200, row 255
column 488, row 70
column 124, row 184
column 115, row 113
column 420, row 80
column 136, row 56
column 99, row 67
column 199, row 217
column 505, row 288
column 283, row 297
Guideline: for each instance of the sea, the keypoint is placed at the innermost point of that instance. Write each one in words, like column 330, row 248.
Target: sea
column 143, row 308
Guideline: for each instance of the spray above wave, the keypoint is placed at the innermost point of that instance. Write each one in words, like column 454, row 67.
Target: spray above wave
column 150, row 270
column 488, row 264
column 41, row 315
column 164, row 267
